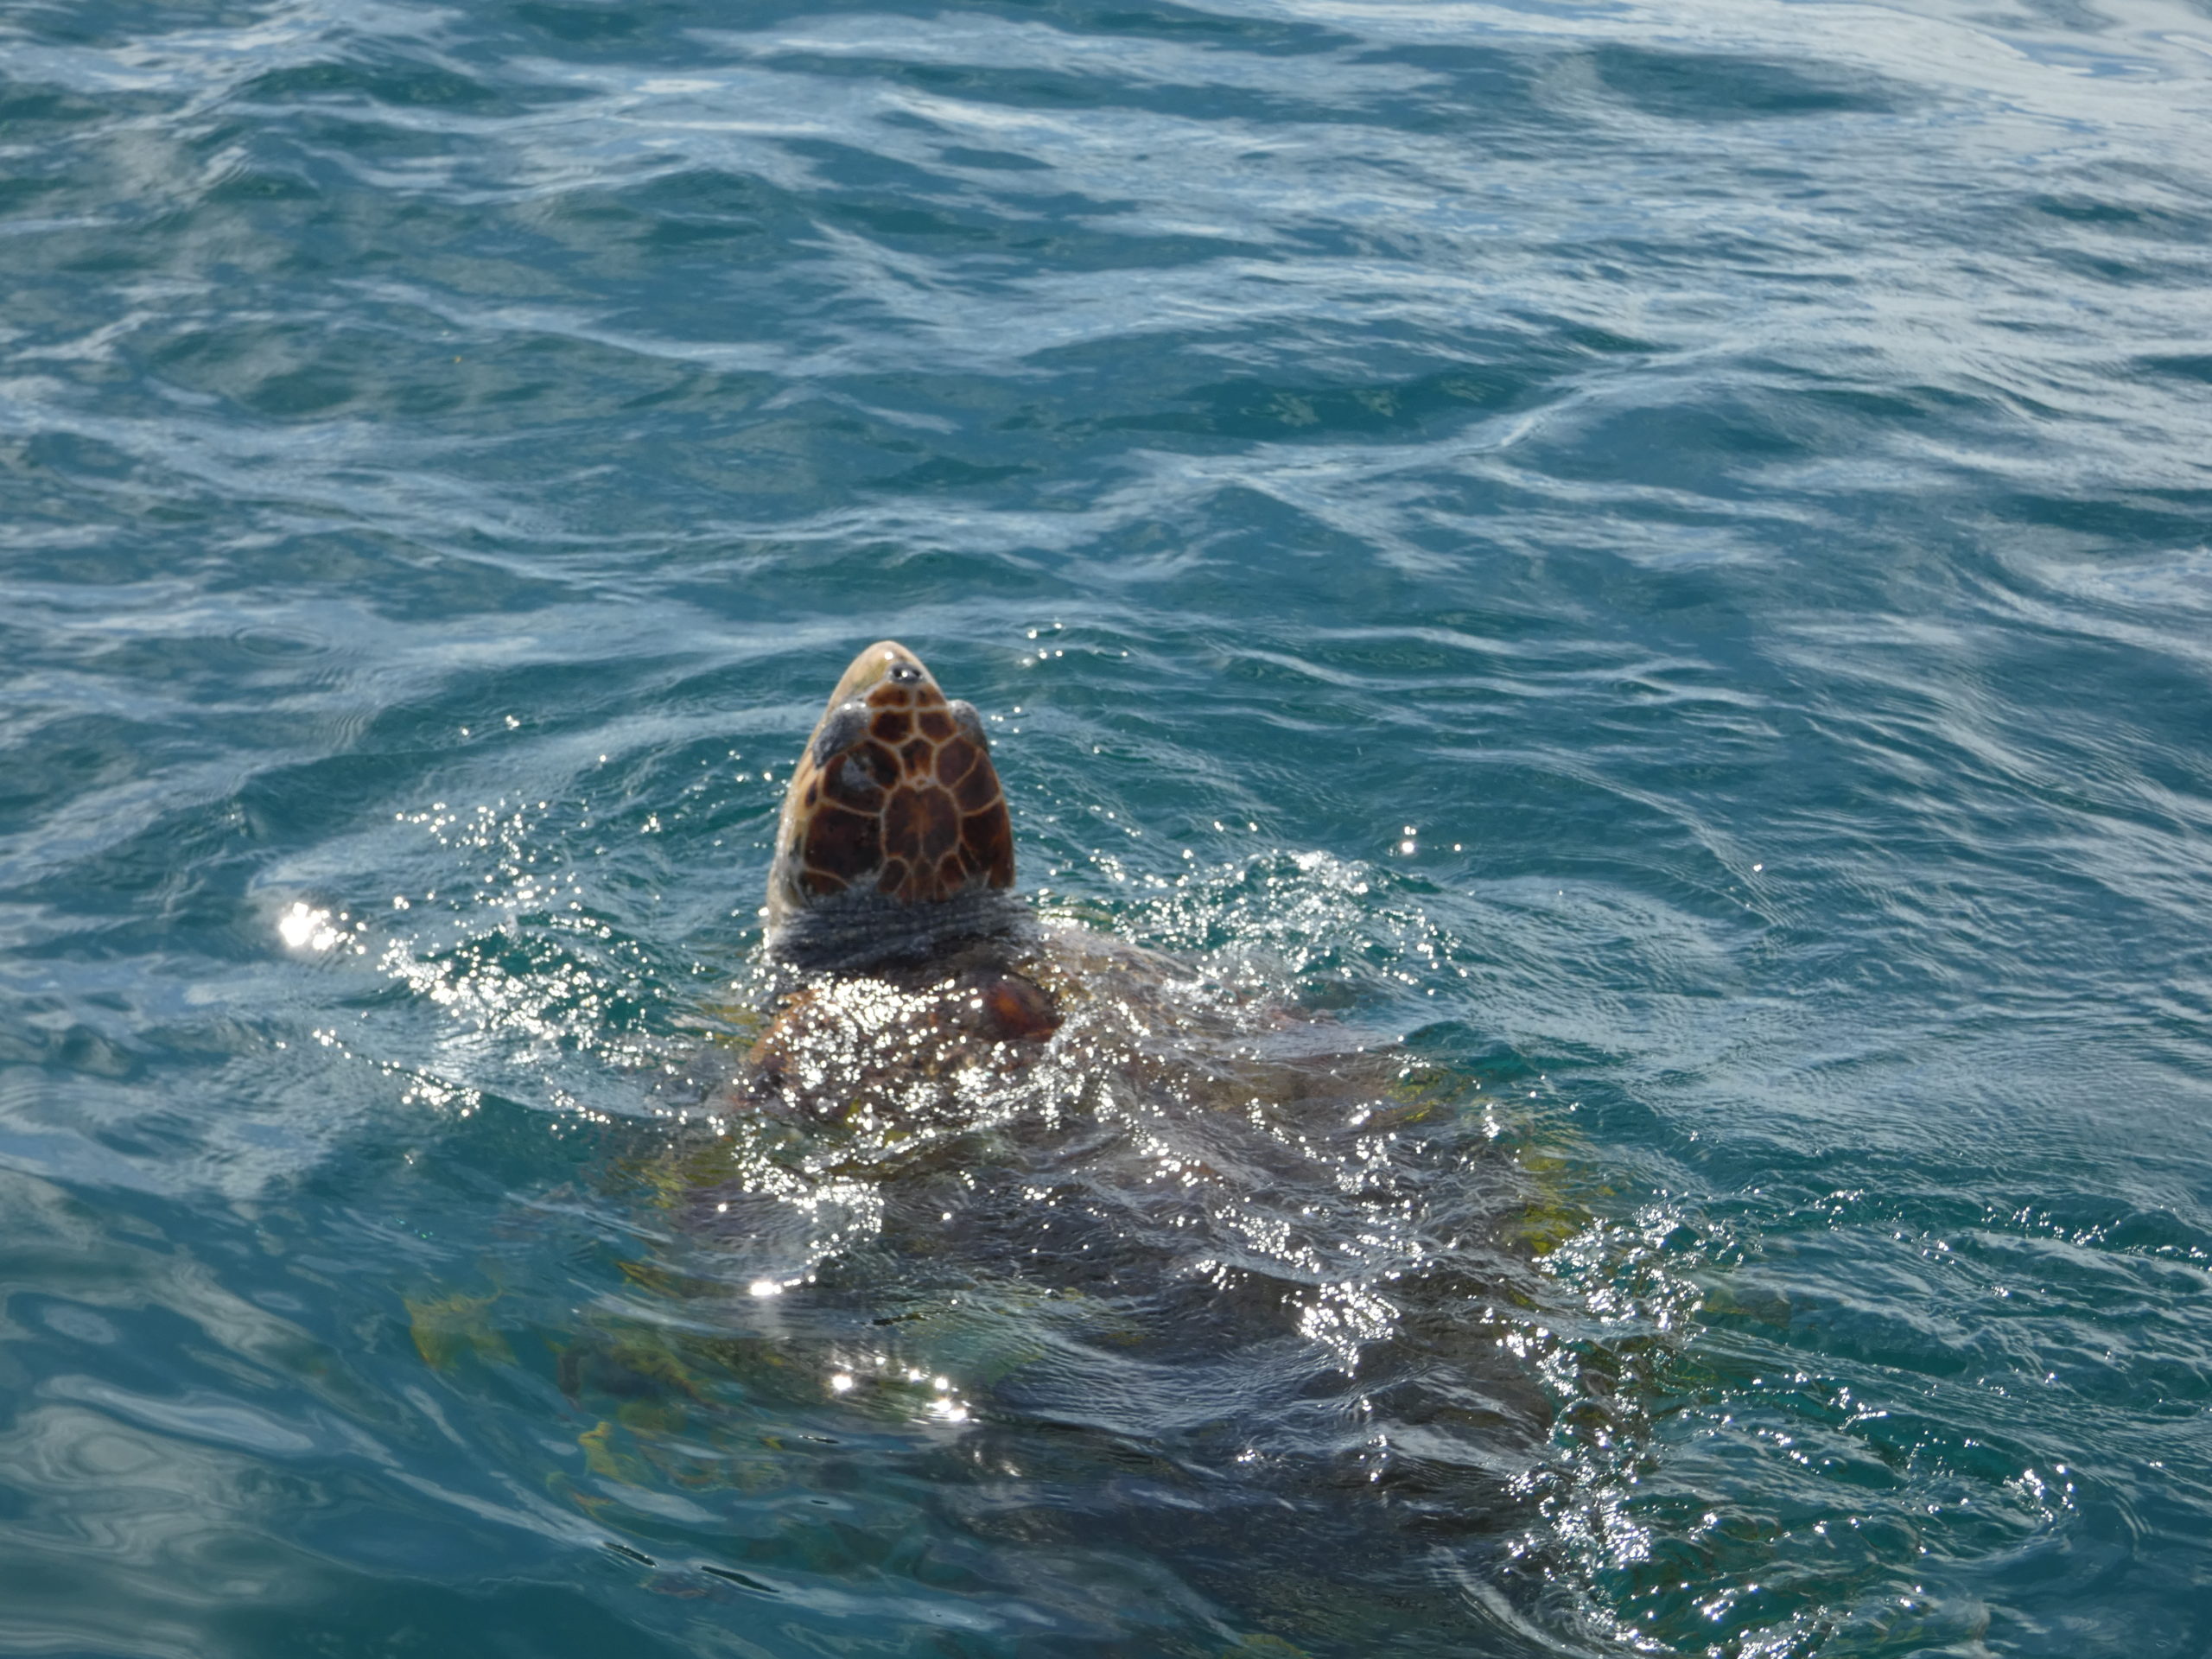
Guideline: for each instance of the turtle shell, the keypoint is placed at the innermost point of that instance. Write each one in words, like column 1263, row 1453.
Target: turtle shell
column 895, row 795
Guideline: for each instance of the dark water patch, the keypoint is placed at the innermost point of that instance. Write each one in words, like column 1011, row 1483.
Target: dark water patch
column 2182, row 367
column 996, row 160
column 1260, row 412
column 394, row 80
column 1687, row 87
column 593, row 25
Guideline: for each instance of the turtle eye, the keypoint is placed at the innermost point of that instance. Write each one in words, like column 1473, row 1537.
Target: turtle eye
column 905, row 673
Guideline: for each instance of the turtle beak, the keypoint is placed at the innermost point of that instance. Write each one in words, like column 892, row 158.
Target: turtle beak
column 887, row 661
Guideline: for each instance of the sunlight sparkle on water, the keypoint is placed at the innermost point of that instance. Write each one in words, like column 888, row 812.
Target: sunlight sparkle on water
column 302, row 927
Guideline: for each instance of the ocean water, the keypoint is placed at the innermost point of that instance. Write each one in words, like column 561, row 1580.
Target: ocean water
column 1620, row 593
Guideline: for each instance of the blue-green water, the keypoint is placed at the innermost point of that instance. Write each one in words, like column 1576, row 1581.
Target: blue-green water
column 1654, row 558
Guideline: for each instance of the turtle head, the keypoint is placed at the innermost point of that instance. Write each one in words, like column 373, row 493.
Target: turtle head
column 894, row 827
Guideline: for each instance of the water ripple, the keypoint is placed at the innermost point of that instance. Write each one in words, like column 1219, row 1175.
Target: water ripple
column 1621, row 591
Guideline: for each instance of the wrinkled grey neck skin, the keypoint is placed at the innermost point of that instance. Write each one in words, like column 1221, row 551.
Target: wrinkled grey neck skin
column 848, row 932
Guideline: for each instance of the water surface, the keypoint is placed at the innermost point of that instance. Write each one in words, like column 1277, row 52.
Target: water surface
column 1623, row 589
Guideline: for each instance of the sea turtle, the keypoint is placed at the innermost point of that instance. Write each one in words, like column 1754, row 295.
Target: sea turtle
column 1201, row 1279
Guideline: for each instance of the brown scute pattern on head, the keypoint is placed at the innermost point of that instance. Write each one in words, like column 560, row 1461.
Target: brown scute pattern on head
column 954, row 760
column 978, row 788
column 836, row 842
column 850, row 781
column 911, row 808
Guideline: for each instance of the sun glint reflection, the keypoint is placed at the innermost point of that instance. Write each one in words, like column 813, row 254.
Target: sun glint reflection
column 302, row 927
